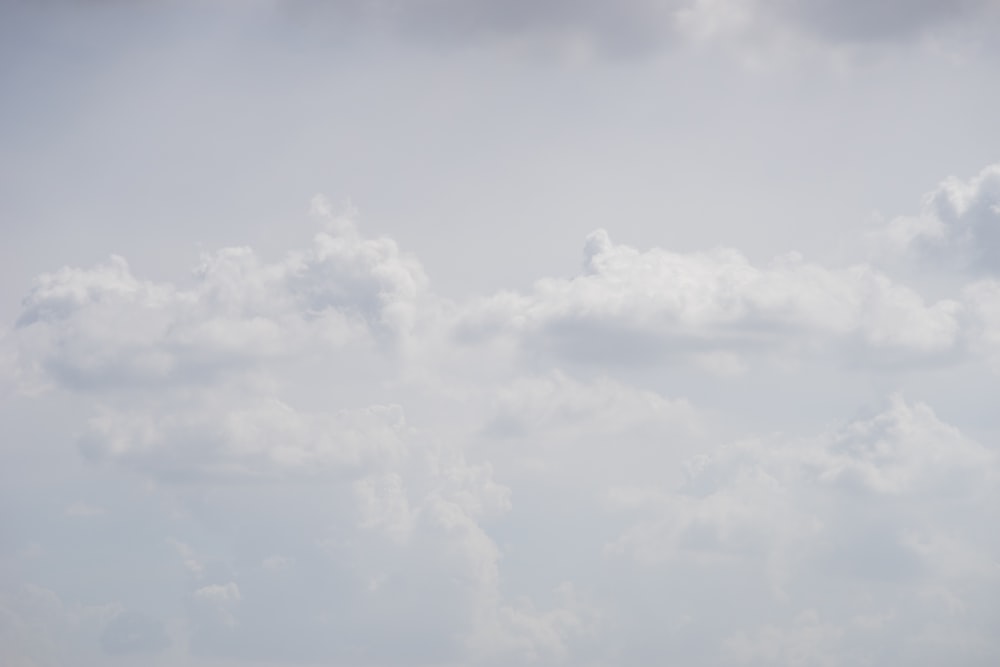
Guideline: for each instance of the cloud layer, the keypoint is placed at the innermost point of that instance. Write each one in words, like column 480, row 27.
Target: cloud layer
column 320, row 460
column 638, row 27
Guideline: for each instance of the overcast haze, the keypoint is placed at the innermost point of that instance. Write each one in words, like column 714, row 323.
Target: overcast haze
column 463, row 332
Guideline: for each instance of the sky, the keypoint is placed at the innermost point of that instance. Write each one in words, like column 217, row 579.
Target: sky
column 475, row 333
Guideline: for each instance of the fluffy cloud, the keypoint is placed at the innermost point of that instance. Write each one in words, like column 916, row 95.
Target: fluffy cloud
column 338, row 466
column 958, row 227
column 904, row 452
column 103, row 327
column 632, row 307
column 885, row 511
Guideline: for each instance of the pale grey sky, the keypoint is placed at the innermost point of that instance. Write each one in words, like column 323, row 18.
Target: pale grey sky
column 499, row 333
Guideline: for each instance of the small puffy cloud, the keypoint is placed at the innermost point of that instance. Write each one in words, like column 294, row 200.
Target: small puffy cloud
column 277, row 563
column 219, row 593
column 216, row 605
column 957, row 228
column 632, row 307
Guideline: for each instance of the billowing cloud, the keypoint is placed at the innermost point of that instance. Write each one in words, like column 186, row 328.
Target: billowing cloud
column 104, row 328
column 338, row 466
column 632, row 307
column 958, row 227
column 877, row 522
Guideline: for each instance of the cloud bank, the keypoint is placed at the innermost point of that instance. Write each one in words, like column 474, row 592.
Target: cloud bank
column 320, row 460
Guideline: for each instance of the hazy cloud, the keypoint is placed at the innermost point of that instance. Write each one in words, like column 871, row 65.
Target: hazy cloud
column 635, row 27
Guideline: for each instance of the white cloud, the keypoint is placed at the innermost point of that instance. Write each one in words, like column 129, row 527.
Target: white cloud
column 104, row 328
column 219, row 593
column 884, row 514
column 354, row 468
column 957, row 228
column 903, row 452
column 632, row 307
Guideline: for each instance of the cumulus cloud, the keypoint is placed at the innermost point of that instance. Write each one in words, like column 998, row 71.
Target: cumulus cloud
column 632, row 307
column 904, row 451
column 506, row 487
column 889, row 505
column 957, row 228
column 103, row 327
